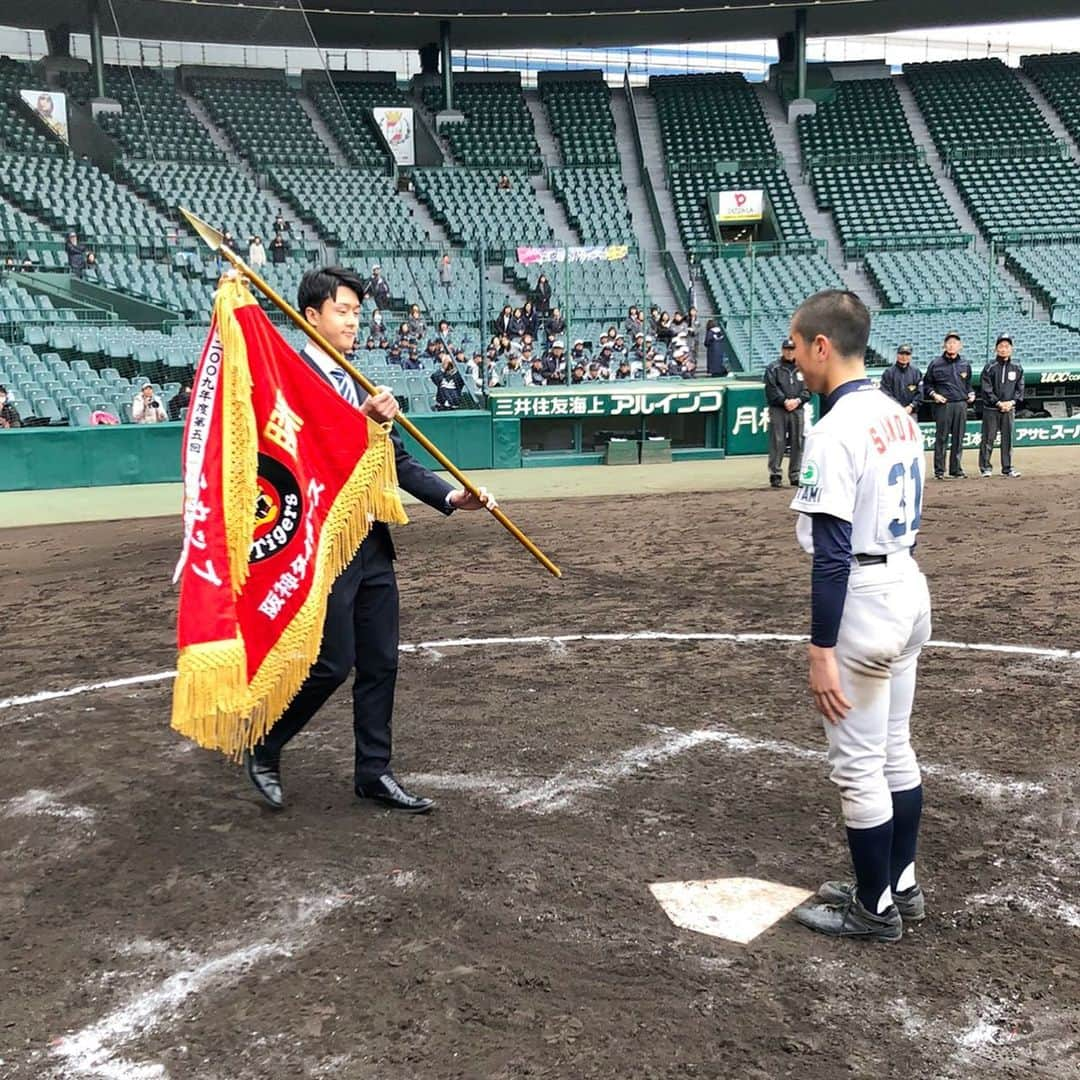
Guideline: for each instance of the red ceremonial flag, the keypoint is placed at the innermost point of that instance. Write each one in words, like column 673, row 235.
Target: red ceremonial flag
column 282, row 480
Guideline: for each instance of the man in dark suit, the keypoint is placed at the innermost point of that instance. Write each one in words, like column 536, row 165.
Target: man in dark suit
column 361, row 627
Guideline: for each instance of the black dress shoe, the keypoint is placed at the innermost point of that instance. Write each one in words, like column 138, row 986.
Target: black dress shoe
column 961, row 475
column 265, row 776
column 389, row 792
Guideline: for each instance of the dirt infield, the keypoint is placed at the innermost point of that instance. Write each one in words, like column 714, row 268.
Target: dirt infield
column 156, row 921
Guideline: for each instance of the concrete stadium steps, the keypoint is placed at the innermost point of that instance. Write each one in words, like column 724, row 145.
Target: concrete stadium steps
column 1048, row 111
column 545, row 137
column 554, row 213
column 217, row 136
column 820, row 222
column 655, row 278
column 422, row 215
column 653, row 151
column 337, row 155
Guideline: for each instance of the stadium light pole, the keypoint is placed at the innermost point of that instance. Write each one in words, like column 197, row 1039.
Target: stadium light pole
column 96, row 48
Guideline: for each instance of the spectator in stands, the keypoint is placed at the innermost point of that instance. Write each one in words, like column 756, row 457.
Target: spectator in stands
column 1002, row 389
column 229, row 240
column 664, row 330
column 449, row 384
column 409, row 360
column 618, row 347
column 502, row 323
column 278, row 250
column 605, row 362
column 256, row 253
column 636, row 351
column 536, row 373
column 76, row 255
column 474, row 371
column 516, row 366
column 178, row 402
column 634, row 323
column 27, row 264
column 446, row 273
column 522, row 345
column 91, row 261
column 947, row 383
column 693, row 331
column 654, row 319
column 578, row 355
column 786, row 394
column 146, row 408
column 595, row 373
column 577, row 374
column 623, row 370
column 504, row 182
column 492, row 374
column 555, row 324
column 716, row 355
column 281, row 227
column 542, row 295
column 379, row 288
column 444, row 333
column 9, row 264
column 9, row 415
column 517, row 324
column 377, row 329
column 531, row 318
column 903, row 381
column 554, row 363
column 393, row 354
column 658, row 366
column 404, row 337
column 685, row 359
column 415, row 323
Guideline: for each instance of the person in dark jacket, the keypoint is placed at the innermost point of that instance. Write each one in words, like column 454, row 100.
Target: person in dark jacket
column 76, row 255
column 180, row 401
column 531, row 317
column 1002, row 389
column 518, row 326
column 279, row 250
column 379, row 288
column 9, row 415
column 786, row 393
column 555, row 325
column 502, row 321
column 542, row 295
column 449, row 383
column 903, row 381
column 947, row 383
column 716, row 354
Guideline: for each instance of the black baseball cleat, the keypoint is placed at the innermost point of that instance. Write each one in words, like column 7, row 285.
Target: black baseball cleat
column 265, row 776
column 911, row 903
column 775, row 481
column 387, row 791
column 849, row 919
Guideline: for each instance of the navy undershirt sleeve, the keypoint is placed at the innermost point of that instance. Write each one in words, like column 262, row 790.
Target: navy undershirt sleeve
column 828, row 584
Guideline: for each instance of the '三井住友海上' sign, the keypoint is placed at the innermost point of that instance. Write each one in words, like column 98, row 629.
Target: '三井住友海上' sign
column 580, row 402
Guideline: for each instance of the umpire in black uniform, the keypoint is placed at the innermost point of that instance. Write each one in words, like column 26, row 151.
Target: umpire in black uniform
column 1002, row 390
column 786, row 394
column 361, row 627
column 903, row 381
column 947, row 383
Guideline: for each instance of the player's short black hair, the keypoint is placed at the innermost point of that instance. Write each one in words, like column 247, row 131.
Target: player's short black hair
column 838, row 315
column 318, row 286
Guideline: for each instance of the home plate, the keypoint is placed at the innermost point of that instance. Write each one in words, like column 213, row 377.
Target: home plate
column 737, row 909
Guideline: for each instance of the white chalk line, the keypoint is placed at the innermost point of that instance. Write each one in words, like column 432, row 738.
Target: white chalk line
column 564, row 639
column 563, row 789
column 39, row 803
column 93, row 1051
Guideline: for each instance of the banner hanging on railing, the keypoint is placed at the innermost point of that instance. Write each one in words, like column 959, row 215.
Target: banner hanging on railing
column 530, row 256
column 397, row 128
column 50, row 107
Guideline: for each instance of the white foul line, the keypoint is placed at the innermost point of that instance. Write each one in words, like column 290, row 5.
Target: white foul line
column 92, row 1052
column 565, row 639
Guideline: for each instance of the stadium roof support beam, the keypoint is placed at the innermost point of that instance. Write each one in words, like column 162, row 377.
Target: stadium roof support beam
column 800, row 53
column 447, row 65
column 97, row 51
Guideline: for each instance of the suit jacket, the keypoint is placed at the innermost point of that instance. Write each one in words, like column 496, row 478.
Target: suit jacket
column 419, row 482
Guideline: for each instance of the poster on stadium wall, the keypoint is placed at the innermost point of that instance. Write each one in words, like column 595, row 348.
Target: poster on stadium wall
column 50, row 108
column 531, row 256
column 678, row 399
column 733, row 207
column 397, row 128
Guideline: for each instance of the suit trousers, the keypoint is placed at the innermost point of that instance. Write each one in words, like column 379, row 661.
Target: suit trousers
column 950, row 418
column 994, row 421
column 785, row 427
column 361, row 632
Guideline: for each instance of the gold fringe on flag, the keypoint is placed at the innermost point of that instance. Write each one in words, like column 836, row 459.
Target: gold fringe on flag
column 212, row 702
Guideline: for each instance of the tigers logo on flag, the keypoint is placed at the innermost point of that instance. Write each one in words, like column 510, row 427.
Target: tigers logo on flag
column 282, row 480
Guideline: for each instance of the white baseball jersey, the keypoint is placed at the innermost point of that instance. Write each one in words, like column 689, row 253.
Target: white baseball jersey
column 863, row 463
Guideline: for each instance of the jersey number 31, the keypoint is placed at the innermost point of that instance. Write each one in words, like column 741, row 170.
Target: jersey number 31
column 910, row 512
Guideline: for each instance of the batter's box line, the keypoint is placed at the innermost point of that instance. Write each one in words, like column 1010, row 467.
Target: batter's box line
column 753, row 638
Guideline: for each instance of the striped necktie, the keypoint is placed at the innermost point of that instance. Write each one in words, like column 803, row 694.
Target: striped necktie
column 344, row 386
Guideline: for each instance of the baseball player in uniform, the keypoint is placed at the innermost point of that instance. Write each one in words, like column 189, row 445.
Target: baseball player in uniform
column 859, row 504
column 1002, row 389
